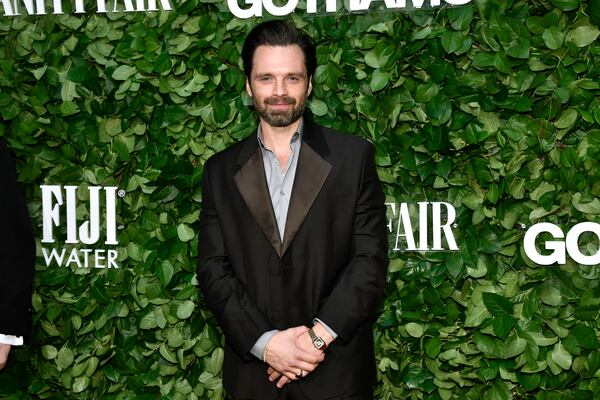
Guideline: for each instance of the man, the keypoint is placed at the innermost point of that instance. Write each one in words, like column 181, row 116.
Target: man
column 292, row 241
column 17, row 259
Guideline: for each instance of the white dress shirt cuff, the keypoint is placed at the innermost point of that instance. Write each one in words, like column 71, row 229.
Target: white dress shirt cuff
column 12, row 340
column 259, row 347
column 327, row 328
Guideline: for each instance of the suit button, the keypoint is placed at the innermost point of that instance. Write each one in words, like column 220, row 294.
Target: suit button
column 275, row 269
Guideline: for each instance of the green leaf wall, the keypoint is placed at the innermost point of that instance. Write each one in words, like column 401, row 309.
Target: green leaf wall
column 492, row 106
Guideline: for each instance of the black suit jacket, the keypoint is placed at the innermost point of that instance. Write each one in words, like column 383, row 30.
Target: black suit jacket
column 17, row 252
column 331, row 264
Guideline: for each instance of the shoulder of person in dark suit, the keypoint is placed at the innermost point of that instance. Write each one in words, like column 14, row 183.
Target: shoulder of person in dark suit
column 17, row 251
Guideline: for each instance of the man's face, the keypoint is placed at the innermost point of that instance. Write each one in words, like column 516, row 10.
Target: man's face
column 279, row 84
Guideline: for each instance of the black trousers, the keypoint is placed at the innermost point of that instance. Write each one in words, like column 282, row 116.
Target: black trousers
column 292, row 391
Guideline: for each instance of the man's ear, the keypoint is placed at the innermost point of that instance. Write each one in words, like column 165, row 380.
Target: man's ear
column 248, row 88
column 309, row 91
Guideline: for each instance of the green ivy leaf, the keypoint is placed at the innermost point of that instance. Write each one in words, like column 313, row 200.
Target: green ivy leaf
column 529, row 381
column 567, row 119
column 318, row 107
column 173, row 115
column 185, row 233
column 64, row 358
column 121, row 147
column 553, row 37
column 216, row 361
column 123, row 72
column 185, row 309
column 92, row 365
column 426, row 92
column 486, row 344
column 561, row 357
column 167, row 354
column 551, row 296
column 80, row 384
column 515, row 346
column 39, row 72
column 503, row 325
column 372, row 60
column 68, row 108
column 433, row 346
column 379, row 80
column 591, row 207
column 382, row 158
column 586, row 336
column 583, row 36
column 148, row 321
column 112, row 126
column 414, row 329
column 164, row 272
column 439, row 109
column 452, row 41
column 497, row 304
column 461, row 17
column 49, row 352
column 566, row 5
column 476, row 314
column 163, row 63
column 455, row 265
column 498, row 391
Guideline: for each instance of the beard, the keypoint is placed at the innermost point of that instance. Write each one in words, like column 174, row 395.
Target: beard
column 280, row 118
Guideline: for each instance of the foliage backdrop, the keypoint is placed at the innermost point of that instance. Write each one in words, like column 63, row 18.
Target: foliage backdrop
column 492, row 107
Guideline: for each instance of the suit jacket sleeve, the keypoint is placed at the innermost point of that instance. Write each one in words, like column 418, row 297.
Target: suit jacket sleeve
column 359, row 289
column 17, row 252
column 239, row 318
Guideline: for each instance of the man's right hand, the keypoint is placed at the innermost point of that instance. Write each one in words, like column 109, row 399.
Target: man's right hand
column 286, row 357
column 4, row 350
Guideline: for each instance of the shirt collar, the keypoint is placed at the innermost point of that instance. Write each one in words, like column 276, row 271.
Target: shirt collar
column 296, row 136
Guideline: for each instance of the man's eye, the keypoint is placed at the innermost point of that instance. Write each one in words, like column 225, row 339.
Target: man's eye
column 294, row 78
column 265, row 78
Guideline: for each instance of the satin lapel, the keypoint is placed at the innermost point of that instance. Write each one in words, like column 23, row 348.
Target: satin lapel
column 252, row 185
column 311, row 173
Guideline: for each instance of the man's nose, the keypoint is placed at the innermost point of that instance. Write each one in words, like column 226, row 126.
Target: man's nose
column 280, row 88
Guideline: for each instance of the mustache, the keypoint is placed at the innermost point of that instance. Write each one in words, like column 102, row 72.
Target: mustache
column 280, row 100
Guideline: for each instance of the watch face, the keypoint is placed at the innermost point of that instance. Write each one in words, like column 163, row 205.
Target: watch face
column 319, row 343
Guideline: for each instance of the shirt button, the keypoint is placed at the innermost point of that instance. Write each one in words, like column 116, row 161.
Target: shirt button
column 282, row 193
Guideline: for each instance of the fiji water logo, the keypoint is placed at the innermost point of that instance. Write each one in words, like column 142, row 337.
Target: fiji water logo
column 60, row 208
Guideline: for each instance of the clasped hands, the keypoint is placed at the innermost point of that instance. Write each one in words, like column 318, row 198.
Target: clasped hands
column 291, row 355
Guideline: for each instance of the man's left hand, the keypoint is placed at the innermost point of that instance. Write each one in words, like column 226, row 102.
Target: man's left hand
column 4, row 350
column 305, row 343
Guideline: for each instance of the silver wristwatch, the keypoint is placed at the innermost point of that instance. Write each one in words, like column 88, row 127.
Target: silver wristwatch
column 318, row 342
